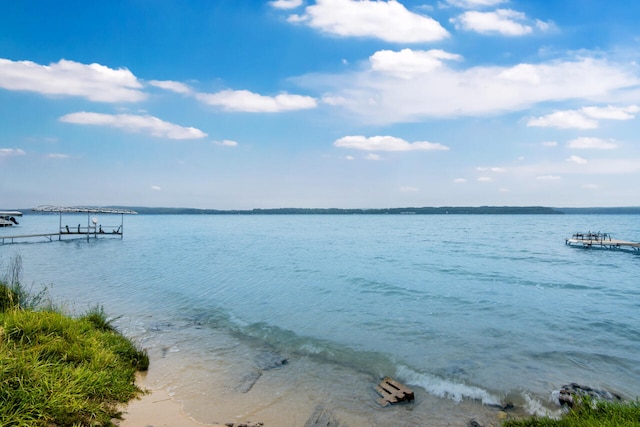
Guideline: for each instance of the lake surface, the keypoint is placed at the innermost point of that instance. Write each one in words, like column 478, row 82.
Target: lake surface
column 469, row 310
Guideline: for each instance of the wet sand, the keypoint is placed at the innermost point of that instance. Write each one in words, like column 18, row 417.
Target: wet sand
column 195, row 390
column 158, row 409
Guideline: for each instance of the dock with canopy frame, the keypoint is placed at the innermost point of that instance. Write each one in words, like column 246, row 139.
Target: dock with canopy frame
column 92, row 229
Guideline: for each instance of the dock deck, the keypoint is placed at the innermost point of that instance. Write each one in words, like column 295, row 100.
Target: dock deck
column 600, row 240
column 50, row 236
column 92, row 230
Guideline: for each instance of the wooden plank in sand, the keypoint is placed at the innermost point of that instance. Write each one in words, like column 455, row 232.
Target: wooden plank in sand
column 393, row 392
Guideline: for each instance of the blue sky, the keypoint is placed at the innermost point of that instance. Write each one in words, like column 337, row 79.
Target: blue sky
column 238, row 104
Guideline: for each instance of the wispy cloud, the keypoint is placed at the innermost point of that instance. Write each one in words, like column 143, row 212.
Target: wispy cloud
column 577, row 159
column 408, row 63
column 11, row 152
column 386, row 20
column 378, row 96
column 135, row 123
column 590, row 143
column 172, row 86
column 94, row 82
column 505, row 22
column 286, row 4
column 472, row 4
column 58, row 156
column 246, row 101
column 226, row 143
column 386, row 143
column 564, row 120
column 490, row 169
column 584, row 118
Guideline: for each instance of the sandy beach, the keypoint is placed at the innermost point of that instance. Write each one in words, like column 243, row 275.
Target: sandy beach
column 158, row 409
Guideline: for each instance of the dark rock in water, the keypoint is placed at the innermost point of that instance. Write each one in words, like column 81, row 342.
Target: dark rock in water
column 247, row 424
column 269, row 360
column 161, row 326
column 474, row 423
column 247, row 382
column 567, row 393
column 322, row 417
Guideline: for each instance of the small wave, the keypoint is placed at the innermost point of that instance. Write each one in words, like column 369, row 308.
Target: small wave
column 534, row 407
column 445, row 388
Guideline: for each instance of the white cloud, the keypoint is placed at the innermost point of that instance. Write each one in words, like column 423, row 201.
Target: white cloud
column 381, row 98
column 334, row 100
column 501, row 21
column 373, row 156
column 386, row 20
column 550, row 143
column 226, row 143
column 156, row 188
column 472, row 4
column 592, row 143
column 460, row 180
column 584, row 118
column 564, row 120
column 134, row 123
column 611, row 113
column 285, row 4
column 171, row 86
column 57, row 156
column 246, row 101
column 577, row 159
column 490, row 169
column 68, row 78
column 11, row 152
column 484, row 179
column 386, row 143
column 349, row 158
column 408, row 63
column 548, row 178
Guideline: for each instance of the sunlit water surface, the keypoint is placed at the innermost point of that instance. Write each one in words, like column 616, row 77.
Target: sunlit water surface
column 468, row 310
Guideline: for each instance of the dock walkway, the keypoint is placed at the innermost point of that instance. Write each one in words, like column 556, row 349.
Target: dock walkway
column 92, row 229
column 600, row 240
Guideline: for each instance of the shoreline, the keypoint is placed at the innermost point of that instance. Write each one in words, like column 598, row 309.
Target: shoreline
column 157, row 409
column 187, row 390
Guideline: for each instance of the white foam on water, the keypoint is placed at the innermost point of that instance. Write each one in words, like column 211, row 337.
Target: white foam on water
column 535, row 407
column 446, row 389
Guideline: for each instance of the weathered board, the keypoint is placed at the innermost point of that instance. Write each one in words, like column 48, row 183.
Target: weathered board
column 393, row 392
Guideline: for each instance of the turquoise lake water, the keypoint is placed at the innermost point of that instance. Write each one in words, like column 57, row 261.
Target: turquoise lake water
column 467, row 309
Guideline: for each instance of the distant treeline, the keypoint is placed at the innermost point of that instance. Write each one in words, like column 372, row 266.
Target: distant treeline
column 481, row 210
column 632, row 210
column 451, row 210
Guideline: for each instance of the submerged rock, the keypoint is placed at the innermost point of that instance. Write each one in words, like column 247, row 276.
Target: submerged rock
column 322, row 417
column 246, row 382
column 269, row 360
column 567, row 393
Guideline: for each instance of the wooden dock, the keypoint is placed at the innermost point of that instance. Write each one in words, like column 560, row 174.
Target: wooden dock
column 92, row 230
column 54, row 236
column 392, row 391
column 600, row 240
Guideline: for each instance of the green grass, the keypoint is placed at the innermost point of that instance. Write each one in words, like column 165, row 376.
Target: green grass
column 588, row 413
column 56, row 370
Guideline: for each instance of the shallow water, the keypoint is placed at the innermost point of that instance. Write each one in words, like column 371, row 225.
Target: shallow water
column 465, row 309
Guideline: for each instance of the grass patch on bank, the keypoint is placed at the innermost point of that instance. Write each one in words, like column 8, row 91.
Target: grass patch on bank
column 588, row 413
column 56, row 370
